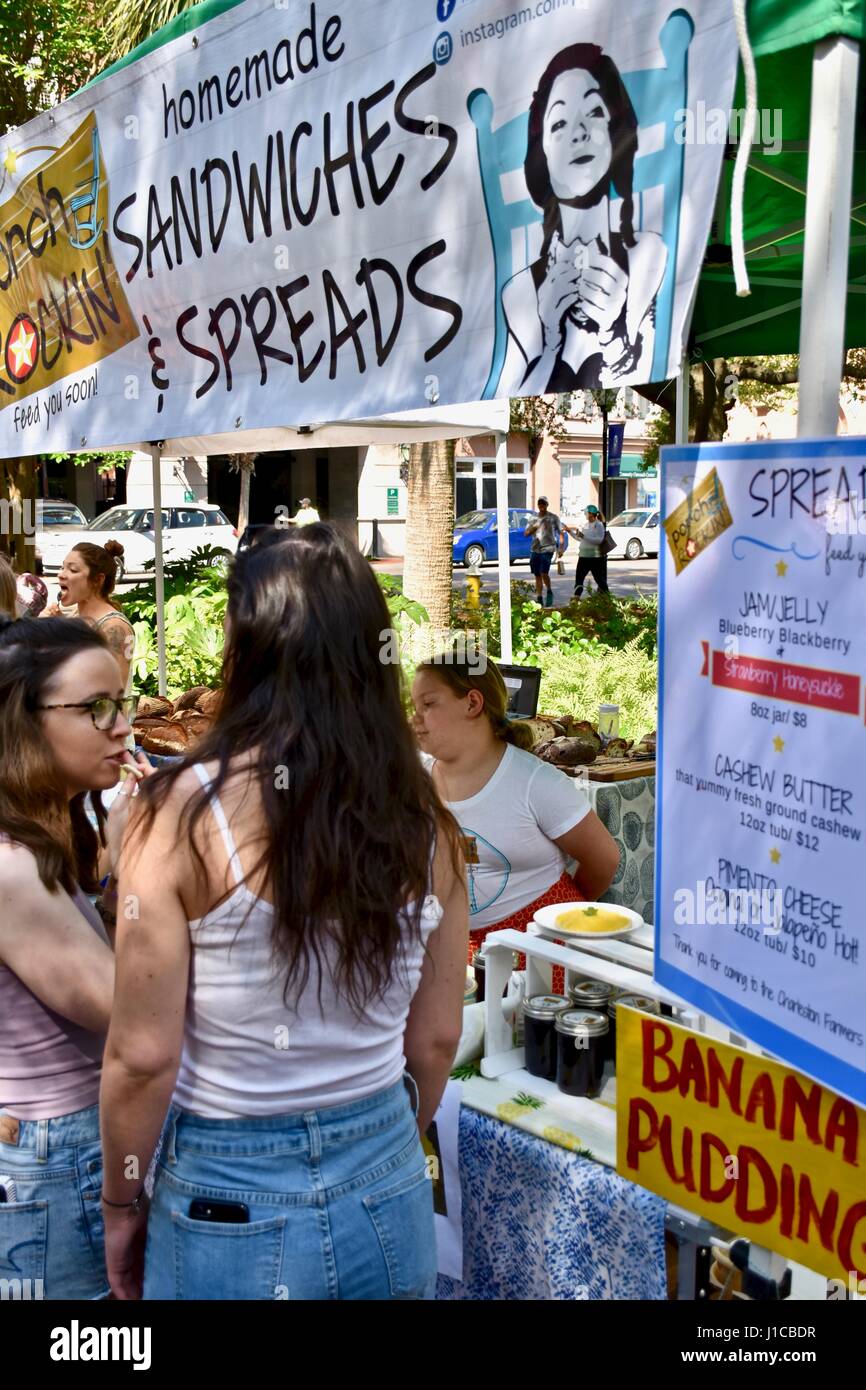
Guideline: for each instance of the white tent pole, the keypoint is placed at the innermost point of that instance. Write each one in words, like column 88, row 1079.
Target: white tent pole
column 682, row 408
column 156, row 468
column 504, row 547
column 835, row 64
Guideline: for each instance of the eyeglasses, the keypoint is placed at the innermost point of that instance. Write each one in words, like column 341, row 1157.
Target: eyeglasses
column 104, row 710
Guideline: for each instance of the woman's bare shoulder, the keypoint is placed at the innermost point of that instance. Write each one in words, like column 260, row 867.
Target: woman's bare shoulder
column 18, row 868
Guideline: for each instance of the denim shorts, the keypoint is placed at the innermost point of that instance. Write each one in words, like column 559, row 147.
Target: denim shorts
column 540, row 561
column 340, row 1206
column 52, row 1233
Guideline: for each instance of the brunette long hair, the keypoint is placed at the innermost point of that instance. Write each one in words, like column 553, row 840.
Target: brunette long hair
column 349, row 827
column 623, row 136
column 35, row 810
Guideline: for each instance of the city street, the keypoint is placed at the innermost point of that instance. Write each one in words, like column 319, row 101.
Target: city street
column 627, row 578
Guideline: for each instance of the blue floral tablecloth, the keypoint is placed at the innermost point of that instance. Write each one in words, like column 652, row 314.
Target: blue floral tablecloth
column 541, row 1223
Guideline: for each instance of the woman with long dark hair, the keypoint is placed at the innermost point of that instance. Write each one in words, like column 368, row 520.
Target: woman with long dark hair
column 63, row 721
column 585, row 307
column 300, row 944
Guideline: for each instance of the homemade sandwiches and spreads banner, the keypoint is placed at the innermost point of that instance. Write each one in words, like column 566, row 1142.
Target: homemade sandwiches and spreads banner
column 305, row 212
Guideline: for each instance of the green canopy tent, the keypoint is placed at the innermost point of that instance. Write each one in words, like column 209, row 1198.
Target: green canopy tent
column 806, row 57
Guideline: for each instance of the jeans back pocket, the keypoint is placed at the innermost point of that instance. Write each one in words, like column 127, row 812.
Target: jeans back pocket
column 403, row 1217
column 218, row 1259
column 23, row 1243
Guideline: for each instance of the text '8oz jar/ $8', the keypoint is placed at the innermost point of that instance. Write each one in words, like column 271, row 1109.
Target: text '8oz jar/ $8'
column 580, row 1042
column 539, row 1040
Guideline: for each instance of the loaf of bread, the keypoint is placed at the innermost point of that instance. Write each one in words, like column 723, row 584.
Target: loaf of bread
column 164, row 736
column 154, row 706
column 209, row 703
column 189, row 698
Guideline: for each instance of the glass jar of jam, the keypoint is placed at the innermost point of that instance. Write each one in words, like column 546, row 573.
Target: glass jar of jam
column 580, row 1040
column 595, row 996
column 634, row 1001
column 479, row 967
column 539, row 1040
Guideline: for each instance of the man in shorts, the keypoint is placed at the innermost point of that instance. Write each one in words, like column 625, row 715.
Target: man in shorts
column 548, row 540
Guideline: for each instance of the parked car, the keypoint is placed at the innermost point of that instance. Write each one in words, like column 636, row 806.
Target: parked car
column 476, row 536
column 184, row 529
column 636, row 534
column 52, row 513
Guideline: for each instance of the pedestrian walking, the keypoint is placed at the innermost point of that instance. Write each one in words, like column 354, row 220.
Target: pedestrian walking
column 592, row 557
column 306, row 514
column 548, row 540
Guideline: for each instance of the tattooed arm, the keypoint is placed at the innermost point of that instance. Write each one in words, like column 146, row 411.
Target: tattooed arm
column 121, row 639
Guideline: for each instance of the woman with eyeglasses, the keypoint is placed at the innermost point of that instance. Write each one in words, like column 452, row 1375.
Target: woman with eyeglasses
column 63, row 722
column 300, row 949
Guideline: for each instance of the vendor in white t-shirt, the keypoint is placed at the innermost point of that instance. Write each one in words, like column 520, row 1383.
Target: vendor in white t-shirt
column 521, row 819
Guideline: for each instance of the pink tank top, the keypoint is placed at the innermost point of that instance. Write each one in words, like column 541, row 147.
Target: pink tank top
column 49, row 1066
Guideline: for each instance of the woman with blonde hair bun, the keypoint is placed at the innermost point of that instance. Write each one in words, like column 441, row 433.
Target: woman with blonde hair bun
column 521, row 819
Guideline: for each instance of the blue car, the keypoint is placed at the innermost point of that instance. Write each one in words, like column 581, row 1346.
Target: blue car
column 476, row 536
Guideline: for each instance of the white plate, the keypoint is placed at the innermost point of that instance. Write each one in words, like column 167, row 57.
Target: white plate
column 545, row 920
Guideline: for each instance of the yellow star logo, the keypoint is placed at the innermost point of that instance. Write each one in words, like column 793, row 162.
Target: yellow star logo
column 21, row 348
column 781, row 568
column 778, row 743
column 10, row 161
column 775, row 855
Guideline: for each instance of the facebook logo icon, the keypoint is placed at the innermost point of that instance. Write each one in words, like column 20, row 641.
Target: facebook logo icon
column 444, row 10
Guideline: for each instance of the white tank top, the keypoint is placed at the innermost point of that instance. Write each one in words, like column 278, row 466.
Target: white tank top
column 246, row 1052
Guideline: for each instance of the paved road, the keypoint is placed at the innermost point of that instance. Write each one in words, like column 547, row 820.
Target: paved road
column 627, row 578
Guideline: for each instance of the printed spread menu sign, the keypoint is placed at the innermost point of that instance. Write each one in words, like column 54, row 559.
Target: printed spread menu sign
column 761, row 876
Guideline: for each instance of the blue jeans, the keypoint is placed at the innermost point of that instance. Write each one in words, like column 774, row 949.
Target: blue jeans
column 52, row 1233
column 340, row 1206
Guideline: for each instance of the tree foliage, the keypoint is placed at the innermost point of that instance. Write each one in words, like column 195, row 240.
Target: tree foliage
column 48, row 50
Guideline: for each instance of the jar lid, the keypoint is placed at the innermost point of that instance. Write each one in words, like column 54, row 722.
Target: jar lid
column 544, row 1005
column 637, row 1001
column 580, row 1022
column 591, row 994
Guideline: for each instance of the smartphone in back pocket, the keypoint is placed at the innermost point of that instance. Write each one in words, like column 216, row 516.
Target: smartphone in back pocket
column 203, row 1209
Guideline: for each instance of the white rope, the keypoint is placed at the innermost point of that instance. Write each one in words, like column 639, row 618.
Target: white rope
column 747, row 135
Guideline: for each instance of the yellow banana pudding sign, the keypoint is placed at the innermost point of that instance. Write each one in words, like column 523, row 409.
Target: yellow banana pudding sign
column 62, row 305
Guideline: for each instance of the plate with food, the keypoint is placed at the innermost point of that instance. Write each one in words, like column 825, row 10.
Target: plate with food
column 601, row 921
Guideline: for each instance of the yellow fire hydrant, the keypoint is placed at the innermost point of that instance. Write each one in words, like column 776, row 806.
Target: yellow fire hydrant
column 473, row 587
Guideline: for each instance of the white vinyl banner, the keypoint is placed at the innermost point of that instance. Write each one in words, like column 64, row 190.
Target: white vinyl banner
column 303, row 212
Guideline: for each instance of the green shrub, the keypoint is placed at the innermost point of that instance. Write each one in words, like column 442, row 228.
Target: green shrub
column 612, row 621
column 578, row 682
column 195, row 605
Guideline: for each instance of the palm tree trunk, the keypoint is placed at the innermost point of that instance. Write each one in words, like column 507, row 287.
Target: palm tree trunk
column 430, row 529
